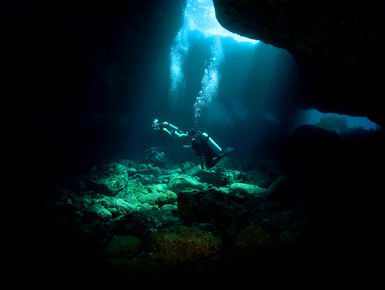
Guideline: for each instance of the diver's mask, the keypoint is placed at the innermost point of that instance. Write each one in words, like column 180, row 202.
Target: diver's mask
column 155, row 125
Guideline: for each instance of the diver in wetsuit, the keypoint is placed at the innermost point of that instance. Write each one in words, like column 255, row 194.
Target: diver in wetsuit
column 206, row 149
column 204, row 146
column 168, row 129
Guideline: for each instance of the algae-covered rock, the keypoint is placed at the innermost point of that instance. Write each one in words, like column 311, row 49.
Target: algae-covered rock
column 210, row 206
column 184, row 182
column 154, row 156
column 259, row 177
column 187, row 166
column 132, row 190
column 150, row 220
column 243, row 189
column 161, row 194
column 182, row 245
column 100, row 211
column 157, row 195
column 108, row 180
column 118, row 206
column 216, row 177
column 220, row 176
column 121, row 246
column 194, row 170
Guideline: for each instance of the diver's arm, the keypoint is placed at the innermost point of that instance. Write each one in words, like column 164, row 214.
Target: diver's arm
column 180, row 135
column 188, row 147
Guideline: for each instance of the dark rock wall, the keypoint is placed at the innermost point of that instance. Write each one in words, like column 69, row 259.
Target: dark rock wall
column 75, row 72
column 338, row 44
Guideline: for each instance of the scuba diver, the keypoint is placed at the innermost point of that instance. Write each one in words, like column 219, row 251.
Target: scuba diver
column 168, row 129
column 206, row 149
column 204, row 146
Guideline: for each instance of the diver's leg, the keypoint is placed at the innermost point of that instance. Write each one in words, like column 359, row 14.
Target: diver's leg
column 227, row 151
column 211, row 159
column 202, row 162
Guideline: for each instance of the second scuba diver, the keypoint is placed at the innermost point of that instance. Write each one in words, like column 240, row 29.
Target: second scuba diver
column 209, row 152
column 167, row 129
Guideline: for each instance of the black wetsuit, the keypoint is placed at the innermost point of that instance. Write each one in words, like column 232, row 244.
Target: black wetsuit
column 202, row 149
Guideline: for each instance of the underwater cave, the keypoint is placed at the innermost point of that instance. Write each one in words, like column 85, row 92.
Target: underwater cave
column 161, row 142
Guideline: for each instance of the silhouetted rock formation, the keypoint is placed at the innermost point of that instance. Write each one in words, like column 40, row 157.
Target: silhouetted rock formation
column 338, row 45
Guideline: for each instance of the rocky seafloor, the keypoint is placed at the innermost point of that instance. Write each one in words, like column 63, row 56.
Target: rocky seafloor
column 153, row 217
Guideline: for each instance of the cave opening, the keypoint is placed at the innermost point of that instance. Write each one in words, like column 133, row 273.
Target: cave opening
column 98, row 192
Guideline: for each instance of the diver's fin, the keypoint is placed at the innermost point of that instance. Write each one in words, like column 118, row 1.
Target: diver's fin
column 226, row 152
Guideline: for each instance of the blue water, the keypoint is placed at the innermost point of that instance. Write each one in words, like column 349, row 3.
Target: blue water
column 313, row 117
column 199, row 17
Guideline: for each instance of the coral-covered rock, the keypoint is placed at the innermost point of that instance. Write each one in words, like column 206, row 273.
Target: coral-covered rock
column 182, row 245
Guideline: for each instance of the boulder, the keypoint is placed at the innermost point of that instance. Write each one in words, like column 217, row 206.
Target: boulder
column 241, row 190
column 259, row 177
column 194, row 170
column 118, row 206
column 155, row 157
column 148, row 221
column 187, row 166
column 210, row 206
column 132, row 190
column 217, row 177
column 184, row 182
